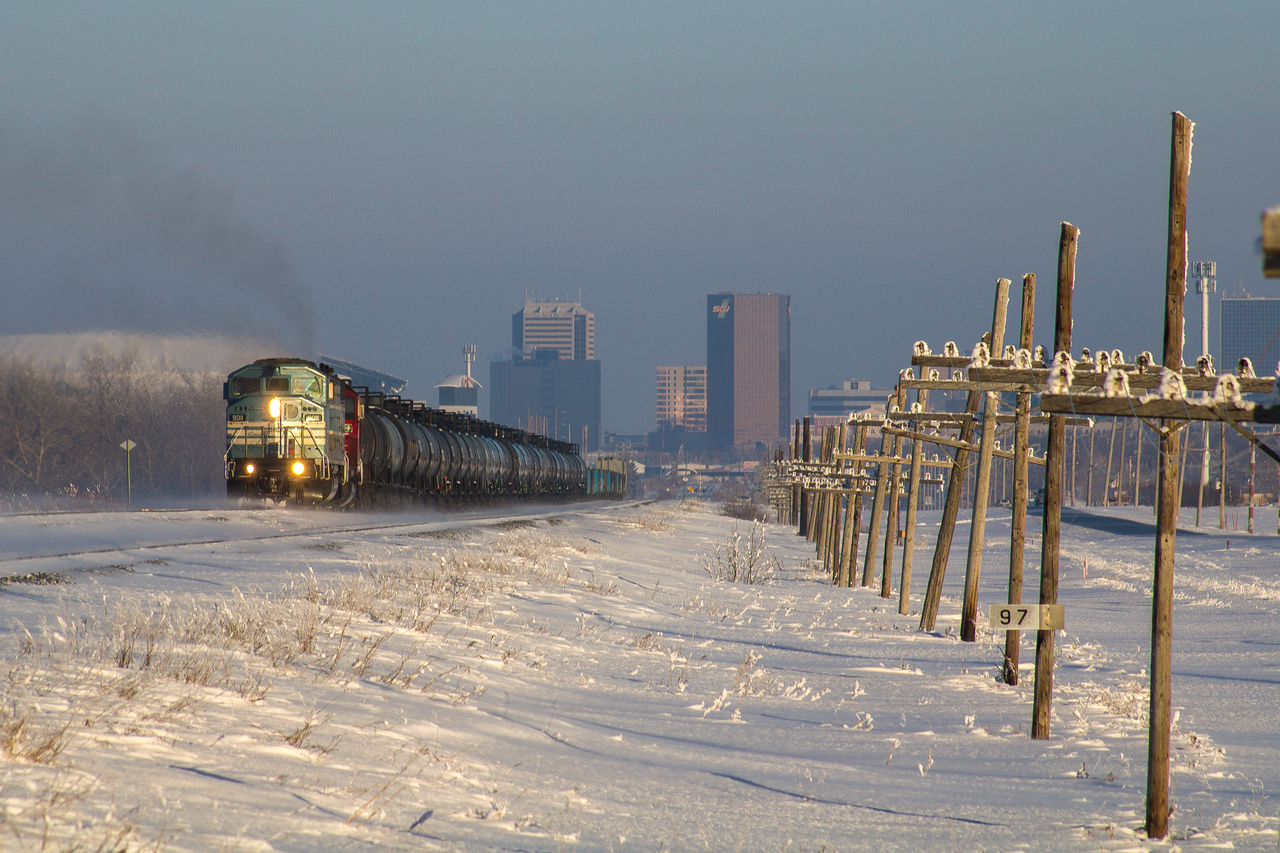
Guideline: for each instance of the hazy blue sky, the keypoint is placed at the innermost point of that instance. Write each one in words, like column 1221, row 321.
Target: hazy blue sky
column 386, row 182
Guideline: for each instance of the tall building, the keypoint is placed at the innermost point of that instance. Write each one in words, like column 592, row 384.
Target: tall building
column 682, row 398
column 748, row 368
column 565, row 327
column 1250, row 329
column 551, row 384
column 549, row 396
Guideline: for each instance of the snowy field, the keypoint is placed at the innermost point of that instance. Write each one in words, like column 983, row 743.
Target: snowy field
column 575, row 679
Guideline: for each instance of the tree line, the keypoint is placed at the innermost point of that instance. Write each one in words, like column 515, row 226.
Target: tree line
column 61, row 429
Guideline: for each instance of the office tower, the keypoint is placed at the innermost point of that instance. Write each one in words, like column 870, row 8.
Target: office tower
column 748, row 368
column 682, row 398
column 1250, row 329
column 551, row 384
column 565, row 327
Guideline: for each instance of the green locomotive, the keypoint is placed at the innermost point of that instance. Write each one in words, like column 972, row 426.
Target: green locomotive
column 287, row 422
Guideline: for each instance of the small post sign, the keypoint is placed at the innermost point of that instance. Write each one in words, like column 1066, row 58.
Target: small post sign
column 1027, row 617
column 127, row 446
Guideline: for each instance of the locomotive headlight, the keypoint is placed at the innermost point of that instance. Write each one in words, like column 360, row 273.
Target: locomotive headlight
column 299, row 468
column 274, row 407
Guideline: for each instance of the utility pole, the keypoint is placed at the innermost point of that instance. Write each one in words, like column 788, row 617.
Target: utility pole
column 1168, row 487
column 1055, row 453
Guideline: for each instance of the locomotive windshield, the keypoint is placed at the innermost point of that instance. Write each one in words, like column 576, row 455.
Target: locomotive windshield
column 294, row 381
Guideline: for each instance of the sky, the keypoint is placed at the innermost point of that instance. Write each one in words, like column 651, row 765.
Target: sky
column 388, row 183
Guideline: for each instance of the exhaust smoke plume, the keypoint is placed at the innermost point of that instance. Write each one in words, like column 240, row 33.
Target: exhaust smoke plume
column 97, row 233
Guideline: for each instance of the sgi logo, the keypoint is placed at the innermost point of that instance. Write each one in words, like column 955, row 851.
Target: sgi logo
column 721, row 310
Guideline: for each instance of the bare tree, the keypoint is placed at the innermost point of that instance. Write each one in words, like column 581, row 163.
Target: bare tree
column 61, row 431
column 36, row 429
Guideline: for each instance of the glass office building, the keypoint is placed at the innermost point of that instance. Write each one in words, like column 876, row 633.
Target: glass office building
column 1250, row 329
column 748, row 368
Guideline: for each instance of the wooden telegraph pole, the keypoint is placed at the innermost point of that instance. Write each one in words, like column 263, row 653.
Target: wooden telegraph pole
column 891, row 523
column 795, row 488
column 1021, row 439
column 807, row 453
column 1054, row 458
column 954, row 493
column 877, row 503
column 1168, row 491
column 982, row 491
column 913, row 498
column 847, row 567
column 947, row 527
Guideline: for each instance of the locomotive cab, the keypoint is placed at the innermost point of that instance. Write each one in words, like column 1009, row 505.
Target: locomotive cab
column 286, row 423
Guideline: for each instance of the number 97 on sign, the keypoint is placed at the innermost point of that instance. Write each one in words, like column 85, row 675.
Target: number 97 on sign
column 1027, row 617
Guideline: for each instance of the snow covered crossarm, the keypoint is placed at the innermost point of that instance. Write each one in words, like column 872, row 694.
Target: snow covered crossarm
column 950, row 442
column 1152, row 407
column 952, row 420
column 1088, row 378
column 961, row 384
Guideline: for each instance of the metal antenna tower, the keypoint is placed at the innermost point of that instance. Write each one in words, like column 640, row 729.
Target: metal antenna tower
column 1206, row 275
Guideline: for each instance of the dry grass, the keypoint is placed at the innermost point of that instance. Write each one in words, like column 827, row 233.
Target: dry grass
column 150, row 663
column 652, row 520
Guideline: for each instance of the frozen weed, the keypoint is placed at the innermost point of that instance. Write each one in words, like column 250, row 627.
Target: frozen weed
column 745, row 509
column 651, row 640
column 753, row 680
column 382, row 796
column 25, row 736
column 602, row 587
column 300, row 736
column 737, row 561
column 653, row 520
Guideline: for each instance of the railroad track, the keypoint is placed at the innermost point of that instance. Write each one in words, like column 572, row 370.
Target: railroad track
column 42, row 548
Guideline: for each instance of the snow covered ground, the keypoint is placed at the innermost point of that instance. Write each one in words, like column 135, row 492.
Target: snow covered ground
column 574, row 679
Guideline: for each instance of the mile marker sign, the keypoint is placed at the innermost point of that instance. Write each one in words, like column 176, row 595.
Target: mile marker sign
column 1027, row 617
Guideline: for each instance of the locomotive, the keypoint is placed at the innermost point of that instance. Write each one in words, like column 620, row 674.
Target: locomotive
column 298, row 432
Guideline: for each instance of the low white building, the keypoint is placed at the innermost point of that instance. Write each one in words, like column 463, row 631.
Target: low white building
column 854, row 395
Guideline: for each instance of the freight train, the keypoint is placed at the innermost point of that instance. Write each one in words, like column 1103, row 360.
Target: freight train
column 298, row 432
